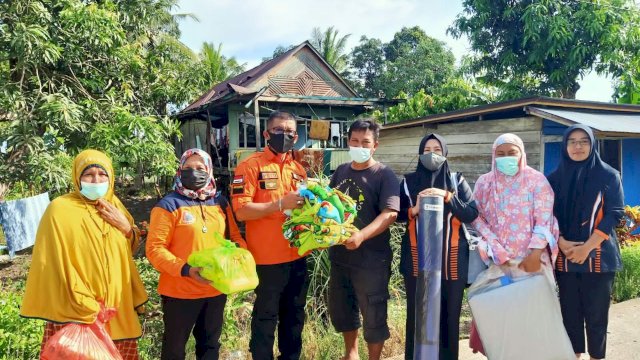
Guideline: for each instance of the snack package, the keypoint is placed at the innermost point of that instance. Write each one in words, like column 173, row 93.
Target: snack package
column 325, row 219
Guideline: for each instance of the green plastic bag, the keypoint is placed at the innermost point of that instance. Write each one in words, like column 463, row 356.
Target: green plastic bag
column 229, row 268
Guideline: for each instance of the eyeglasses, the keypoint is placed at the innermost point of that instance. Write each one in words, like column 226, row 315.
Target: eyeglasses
column 581, row 143
column 280, row 131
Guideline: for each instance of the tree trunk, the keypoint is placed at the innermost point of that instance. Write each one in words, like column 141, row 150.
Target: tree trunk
column 139, row 181
column 570, row 91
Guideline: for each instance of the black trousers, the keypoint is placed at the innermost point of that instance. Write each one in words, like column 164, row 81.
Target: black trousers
column 203, row 316
column 584, row 300
column 450, row 307
column 280, row 300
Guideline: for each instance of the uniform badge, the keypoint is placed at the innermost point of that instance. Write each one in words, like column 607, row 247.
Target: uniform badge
column 187, row 218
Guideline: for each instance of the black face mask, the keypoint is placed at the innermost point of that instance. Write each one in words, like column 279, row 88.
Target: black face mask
column 194, row 179
column 280, row 143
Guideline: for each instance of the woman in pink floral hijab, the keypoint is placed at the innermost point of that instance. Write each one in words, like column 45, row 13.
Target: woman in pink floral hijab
column 515, row 204
column 209, row 185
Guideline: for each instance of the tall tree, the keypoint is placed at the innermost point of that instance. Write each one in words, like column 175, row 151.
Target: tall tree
column 72, row 70
column 216, row 67
column 411, row 61
column 550, row 43
column 367, row 62
column 278, row 51
column 331, row 46
column 416, row 61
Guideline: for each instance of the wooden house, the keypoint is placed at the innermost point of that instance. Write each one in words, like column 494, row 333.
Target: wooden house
column 300, row 81
column 539, row 121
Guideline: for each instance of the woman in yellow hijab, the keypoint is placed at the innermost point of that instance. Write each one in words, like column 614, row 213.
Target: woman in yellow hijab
column 82, row 258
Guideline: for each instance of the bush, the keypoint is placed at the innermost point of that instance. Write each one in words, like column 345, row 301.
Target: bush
column 627, row 283
column 20, row 338
column 149, row 344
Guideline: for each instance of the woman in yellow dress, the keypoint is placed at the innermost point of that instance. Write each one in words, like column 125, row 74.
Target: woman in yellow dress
column 82, row 259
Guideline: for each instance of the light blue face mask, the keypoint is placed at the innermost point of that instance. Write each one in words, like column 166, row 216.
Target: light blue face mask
column 508, row 165
column 359, row 154
column 94, row 191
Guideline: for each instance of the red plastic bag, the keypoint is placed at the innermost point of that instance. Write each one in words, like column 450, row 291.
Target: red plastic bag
column 474, row 339
column 83, row 342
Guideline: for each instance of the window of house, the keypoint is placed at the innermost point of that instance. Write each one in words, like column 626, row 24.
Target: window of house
column 611, row 152
column 247, row 131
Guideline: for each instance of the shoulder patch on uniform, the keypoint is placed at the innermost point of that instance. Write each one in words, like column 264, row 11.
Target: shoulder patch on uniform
column 271, row 184
column 297, row 177
column 237, row 189
column 267, row 175
column 238, row 179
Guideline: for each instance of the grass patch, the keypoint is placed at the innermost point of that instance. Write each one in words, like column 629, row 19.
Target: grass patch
column 627, row 283
column 19, row 338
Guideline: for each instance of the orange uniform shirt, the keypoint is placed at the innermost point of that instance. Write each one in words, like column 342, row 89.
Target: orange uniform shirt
column 263, row 178
column 176, row 231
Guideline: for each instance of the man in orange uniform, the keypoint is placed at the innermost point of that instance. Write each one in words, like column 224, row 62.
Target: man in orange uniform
column 265, row 185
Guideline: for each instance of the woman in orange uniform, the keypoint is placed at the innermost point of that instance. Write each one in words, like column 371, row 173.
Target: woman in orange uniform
column 184, row 222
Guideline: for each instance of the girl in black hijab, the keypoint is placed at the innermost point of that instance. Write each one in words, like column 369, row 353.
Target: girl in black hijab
column 588, row 205
column 433, row 178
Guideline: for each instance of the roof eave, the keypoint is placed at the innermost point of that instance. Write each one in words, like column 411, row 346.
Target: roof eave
column 514, row 105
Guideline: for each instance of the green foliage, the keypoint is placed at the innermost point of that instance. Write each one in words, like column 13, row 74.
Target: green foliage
column 215, row 67
column 131, row 140
column 149, row 345
column 549, row 44
column 73, row 73
column 331, row 47
column 20, row 338
column 277, row 52
column 627, row 282
column 627, row 86
column 420, row 104
column 411, row 61
column 454, row 94
column 367, row 62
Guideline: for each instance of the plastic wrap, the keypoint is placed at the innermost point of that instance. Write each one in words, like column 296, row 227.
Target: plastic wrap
column 229, row 268
column 517, row 315
column 82, row 341
column 428, row 286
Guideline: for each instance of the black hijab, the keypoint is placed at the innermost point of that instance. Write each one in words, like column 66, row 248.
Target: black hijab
column 423, row 178
column 576, row 185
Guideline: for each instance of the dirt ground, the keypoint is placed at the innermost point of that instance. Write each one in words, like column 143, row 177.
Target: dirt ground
column 16, row 269
column 140, row 206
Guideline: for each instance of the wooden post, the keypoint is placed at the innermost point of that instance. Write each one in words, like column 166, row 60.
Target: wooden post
column 385, row 114
column 208, row 141
column 256, row 114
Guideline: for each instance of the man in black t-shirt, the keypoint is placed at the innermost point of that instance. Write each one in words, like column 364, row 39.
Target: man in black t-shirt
column 360, row 270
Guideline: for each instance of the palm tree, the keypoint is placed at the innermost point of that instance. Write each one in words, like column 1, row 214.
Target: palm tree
column 331, row 47
column 217, row 67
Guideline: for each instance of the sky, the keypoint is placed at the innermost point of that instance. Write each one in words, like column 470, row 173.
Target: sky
column 251, row 29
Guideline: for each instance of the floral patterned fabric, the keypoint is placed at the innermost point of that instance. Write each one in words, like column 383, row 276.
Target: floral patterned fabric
column 209, row 189
column 515, row 212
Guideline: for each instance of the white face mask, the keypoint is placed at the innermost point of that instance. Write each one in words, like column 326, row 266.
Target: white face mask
column 359, row 154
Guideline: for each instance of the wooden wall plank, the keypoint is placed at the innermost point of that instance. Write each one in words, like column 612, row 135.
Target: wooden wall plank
column 469, row 144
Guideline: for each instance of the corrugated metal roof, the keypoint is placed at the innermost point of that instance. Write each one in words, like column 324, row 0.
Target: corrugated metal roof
column 516, row 105
column 247, row 78
column 627, row 123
